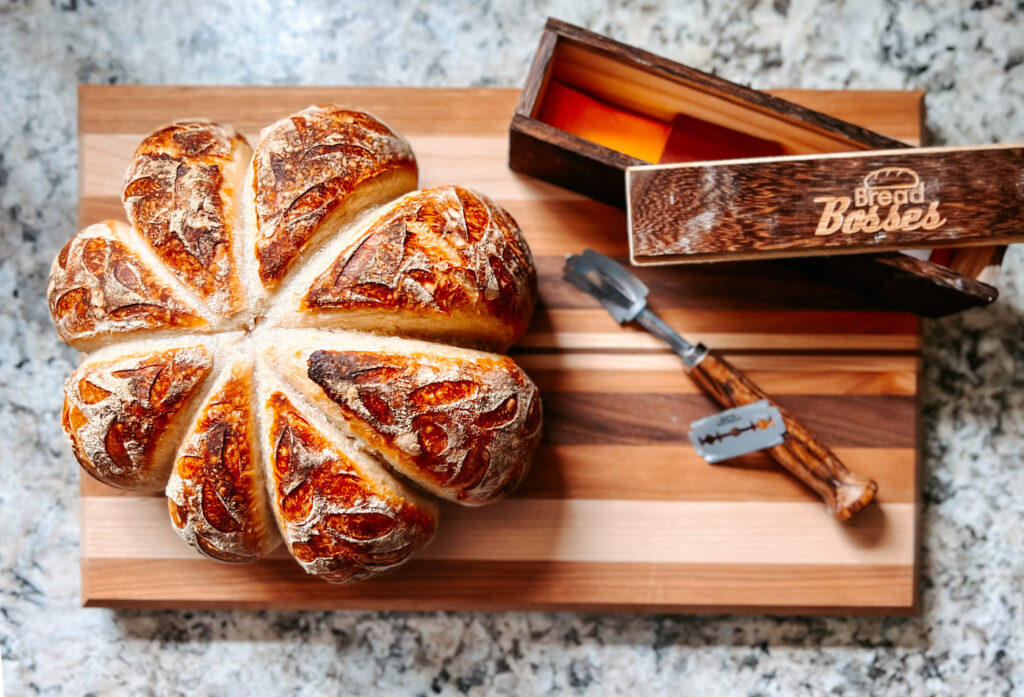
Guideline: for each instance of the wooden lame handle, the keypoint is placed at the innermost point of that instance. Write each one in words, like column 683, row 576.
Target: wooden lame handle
column 844, row 492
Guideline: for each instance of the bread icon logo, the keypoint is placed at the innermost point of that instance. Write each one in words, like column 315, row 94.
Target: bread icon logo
column 890, row 199
column 892, row 178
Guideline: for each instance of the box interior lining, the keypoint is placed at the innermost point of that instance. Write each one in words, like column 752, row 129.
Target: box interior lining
column 637, row 91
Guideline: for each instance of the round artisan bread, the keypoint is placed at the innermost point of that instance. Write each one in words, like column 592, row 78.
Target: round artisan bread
column 285, row 341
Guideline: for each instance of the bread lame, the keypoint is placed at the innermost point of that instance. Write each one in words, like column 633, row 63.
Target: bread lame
column 844, row 492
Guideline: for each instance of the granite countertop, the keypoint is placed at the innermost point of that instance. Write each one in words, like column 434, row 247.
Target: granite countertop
column 969, row 636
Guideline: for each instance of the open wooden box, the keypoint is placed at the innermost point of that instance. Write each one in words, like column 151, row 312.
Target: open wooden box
column 657, row 90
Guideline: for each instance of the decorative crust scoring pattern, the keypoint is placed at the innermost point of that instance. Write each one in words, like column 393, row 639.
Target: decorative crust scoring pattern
column 465, row 429
column 115, row 412
column 304, row 169
column 193, row 282
column 179, row 193
column 337, row 523
column 100, row 286
column 216, row 493
column 440, row 251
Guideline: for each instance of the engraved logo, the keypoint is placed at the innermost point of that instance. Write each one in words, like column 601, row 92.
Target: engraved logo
column 891, row 199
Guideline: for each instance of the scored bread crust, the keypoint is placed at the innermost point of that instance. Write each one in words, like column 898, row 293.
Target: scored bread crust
column 463, row 424
column 102, row 286
column 443, row 263
column 181, row 194
column 343, row 517
column 209, row 377
column 217, row 494
column 315, row 171
column 122, row 413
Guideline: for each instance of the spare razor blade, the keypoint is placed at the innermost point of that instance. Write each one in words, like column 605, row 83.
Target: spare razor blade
column 737, row 431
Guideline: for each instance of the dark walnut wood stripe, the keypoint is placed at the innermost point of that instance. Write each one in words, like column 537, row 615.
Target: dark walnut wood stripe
column 427, row 585
column 841, row 421
column 752, row 285
column 845, row 203
column 845, row 493
column 595, row 318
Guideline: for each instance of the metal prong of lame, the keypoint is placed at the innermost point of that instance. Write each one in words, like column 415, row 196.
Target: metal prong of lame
column 625, row 298
column 737, row 431
column 587, row 272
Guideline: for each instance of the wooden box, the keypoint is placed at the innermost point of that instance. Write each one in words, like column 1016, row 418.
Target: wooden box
column 656, row 91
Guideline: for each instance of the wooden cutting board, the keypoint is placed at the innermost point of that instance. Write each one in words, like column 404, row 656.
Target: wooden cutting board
column 618, row 513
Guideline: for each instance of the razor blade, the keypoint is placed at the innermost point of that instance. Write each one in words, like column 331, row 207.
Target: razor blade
column 738, row 431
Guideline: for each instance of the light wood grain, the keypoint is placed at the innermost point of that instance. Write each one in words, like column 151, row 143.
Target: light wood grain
column 576, row 530
column 619, row 512
column 491, row 586
column 673, row 381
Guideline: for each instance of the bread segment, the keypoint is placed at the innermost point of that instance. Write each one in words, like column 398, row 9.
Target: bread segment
column 217, row 494
column 102, row 287
column 343, row 518
column 123, row 415
column 442, row 263
column 182, row 193
column 462, row 424
column 316, row 171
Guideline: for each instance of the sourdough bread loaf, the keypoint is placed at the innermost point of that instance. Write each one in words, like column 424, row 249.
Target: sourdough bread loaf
column 294, row 342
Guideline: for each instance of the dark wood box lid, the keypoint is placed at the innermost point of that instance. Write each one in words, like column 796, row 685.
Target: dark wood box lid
column 845, row 203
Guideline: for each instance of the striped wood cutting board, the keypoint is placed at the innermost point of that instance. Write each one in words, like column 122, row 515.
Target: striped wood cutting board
column 618, row 513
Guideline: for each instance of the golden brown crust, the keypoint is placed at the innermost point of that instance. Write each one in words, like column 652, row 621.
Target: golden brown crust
column 441, row 253
column 180, row 193
column 100, row 286
column 118, row 412
column 216, row 494
column 465, row 429
column 339, row 524
column 306, row 167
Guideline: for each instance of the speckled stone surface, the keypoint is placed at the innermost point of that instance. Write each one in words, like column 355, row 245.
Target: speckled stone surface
column 969, row 637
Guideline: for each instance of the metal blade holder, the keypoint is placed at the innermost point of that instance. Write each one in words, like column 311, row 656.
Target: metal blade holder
column 716, row 438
